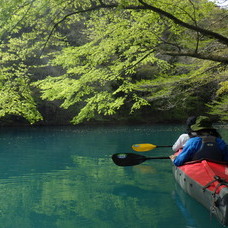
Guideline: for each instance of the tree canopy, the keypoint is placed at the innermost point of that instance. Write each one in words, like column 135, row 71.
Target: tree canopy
column 102, row 58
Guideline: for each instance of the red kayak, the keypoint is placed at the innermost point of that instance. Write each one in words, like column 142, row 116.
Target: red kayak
column 207, row 182
column 204, row 180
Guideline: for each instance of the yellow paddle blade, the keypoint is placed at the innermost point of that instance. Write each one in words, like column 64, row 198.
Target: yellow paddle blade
column 143, row 147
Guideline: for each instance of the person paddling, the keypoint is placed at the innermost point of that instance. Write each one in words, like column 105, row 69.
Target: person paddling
column 207, row 144
column 183, row 138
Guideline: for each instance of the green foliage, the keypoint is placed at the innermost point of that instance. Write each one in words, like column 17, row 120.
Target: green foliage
column 16, row 97
column 94, row 56
column 223, row 89
column 19, row 52
column 220, row 108
column 189, row 92
column 100, row 72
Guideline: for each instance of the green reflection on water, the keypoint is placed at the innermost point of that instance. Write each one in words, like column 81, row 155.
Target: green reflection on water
column 70, row 181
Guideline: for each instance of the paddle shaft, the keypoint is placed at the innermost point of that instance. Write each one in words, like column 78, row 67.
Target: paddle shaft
column 164, row 146
column 130, row 159
column 150, row 158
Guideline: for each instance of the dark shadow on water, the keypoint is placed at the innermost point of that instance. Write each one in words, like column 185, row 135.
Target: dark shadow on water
column 196, row 216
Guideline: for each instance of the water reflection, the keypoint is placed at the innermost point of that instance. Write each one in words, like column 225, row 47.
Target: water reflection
column 145, row 169
column 64, row 178
column 89, row 194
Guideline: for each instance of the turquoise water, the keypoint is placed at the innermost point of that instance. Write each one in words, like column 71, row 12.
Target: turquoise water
column 63, row 177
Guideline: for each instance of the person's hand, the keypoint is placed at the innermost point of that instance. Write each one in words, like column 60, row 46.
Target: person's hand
column 172, row 157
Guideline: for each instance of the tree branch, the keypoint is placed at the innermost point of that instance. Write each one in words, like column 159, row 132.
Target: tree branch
column 205, row 32
column 220, row 38
column 199, row 56
column 73, row 13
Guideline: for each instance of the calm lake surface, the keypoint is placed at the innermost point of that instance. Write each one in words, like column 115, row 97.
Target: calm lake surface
column 63, row 177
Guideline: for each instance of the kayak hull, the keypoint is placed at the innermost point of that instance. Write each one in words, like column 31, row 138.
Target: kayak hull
column 206, row 182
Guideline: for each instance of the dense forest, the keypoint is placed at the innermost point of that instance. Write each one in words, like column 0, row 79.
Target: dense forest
column 72, row 62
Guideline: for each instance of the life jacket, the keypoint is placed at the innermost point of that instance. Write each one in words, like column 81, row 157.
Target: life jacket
column 209, row 150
